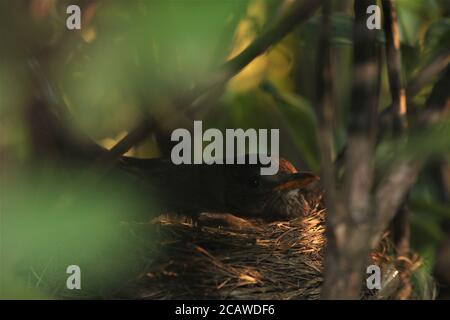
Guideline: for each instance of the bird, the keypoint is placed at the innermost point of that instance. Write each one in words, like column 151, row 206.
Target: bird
column 238, row 189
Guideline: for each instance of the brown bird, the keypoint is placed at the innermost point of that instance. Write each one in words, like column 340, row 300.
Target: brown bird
column 238, row 189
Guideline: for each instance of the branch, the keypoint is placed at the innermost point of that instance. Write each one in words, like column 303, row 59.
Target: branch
column 437, row 64
column 394, row 66
column 438, row 103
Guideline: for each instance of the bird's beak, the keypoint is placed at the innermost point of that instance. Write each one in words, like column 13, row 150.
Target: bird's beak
column 297, row 181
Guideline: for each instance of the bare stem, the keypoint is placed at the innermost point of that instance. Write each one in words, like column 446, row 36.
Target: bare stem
column 394, row 65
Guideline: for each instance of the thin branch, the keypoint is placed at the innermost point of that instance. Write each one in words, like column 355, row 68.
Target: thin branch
column 300, row 11
column 436, row 65
column 438, row 103
column 394, row 65
column 392, row 192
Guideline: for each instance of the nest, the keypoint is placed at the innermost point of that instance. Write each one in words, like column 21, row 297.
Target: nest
column 224, row 257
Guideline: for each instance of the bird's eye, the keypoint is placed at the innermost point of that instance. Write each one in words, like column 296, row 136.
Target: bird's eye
column 253, row 182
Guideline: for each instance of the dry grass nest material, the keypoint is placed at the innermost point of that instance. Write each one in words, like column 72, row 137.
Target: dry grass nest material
column 241, row 259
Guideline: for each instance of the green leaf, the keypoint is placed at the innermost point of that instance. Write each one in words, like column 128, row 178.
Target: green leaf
column 49, row 224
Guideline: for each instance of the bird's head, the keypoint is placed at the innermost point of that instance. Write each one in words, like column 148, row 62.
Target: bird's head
column 250, row 194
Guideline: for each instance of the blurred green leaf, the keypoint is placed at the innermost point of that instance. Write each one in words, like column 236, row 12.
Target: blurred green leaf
column 49, row 224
